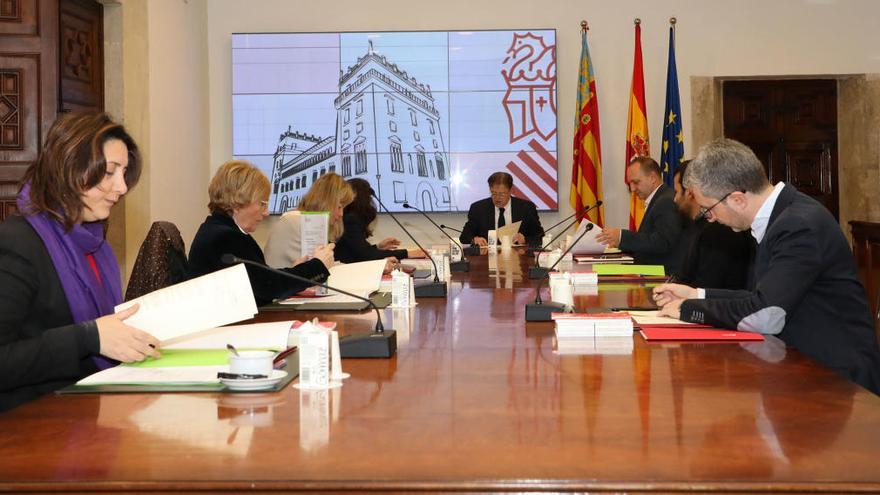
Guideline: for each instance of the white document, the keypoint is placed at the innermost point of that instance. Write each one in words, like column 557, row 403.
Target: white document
column 359, row 278
column 334, row 298
column 507, row 230
column 178, row 375
column 313, row 227
column 651, row 318
column 212, row 300
column 254, row 336
column 588, row 244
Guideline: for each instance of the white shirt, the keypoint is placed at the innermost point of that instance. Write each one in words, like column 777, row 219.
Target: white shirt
column 507, row 217
column 651, row 196
column 762, row 218
column 760, row 222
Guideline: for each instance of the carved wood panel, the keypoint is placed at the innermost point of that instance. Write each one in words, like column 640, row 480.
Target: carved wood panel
column 82, row 54
column 792, row 127
column 28, row 87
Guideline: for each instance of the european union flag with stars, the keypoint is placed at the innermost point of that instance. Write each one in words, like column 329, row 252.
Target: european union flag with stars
column 673, row 138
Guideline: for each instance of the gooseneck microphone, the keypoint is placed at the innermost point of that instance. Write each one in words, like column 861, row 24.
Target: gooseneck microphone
column 540, row 310
column 379, row 343
column 536, row 272
column 447, row 227
column 462, row 265
column 437, row 288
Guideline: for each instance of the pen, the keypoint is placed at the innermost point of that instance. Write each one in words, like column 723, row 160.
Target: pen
column 636, row 308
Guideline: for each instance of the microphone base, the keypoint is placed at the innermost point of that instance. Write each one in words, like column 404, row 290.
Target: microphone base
column 542, row 312
column 537, row 272
column 460, row 266
column 430, row 289
column 472, row 250
column 368, row 345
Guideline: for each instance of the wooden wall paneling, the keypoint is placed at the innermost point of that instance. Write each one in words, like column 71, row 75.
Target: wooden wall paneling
column 28, row 87
column 81, row 68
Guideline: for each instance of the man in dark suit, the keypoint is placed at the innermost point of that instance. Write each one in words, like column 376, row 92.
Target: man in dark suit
column 656, row 238
column 804, row 289
column 710, row 254
column 502, row 209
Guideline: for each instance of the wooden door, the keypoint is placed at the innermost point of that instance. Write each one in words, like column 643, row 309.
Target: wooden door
column 28, row 87
column 51, row 61
column 792, row 127
column 82, row 55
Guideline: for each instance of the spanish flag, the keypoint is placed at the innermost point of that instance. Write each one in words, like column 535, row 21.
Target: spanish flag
column 637, row 127
column 586, row 170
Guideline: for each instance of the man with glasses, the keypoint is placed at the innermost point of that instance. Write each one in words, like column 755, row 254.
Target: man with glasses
column 710, row 254
column 654, row 242
column 804, row 287
column 502, row 209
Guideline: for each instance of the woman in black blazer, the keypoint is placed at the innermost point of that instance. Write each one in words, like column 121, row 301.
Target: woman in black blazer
column 239, row 194
column 59, row 280
column 359, row 221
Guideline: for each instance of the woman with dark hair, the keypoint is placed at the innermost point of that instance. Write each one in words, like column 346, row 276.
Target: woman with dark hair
column 59, row 280
column 359, row 220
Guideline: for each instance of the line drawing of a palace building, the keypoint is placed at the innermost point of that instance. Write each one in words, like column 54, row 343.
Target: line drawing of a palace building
column 387, row 133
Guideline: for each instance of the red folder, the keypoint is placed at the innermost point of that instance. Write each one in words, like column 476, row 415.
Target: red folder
column 713, row 334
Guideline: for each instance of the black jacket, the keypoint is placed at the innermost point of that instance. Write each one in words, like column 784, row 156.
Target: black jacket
column 353, row 246
column 481, row 219
column 41, row 350
column 219, row 235
column 805, row 289
column 658, row 233
column 713, row 256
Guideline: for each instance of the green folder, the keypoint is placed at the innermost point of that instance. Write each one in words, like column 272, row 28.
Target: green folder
column 185, row 357
column 623, row 269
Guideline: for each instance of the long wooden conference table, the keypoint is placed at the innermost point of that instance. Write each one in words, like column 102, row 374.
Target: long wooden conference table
column 475, row 400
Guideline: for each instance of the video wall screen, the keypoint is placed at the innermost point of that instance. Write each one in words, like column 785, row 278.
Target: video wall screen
column 425, row 117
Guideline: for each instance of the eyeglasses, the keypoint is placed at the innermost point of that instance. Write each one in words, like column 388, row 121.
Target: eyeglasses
column 705, row 212
column 499, row 194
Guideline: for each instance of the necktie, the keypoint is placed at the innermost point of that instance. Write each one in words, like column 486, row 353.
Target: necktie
column 501, row 222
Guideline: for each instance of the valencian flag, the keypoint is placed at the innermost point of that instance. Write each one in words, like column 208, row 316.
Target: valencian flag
column 586, row 170
column 673, row 137
column 636, row 127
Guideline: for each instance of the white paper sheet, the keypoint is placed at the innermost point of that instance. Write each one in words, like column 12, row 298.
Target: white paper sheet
column 179, row 375
column 588, row 244
column 313, row 231
column 651, row 318
column 209, row 301
column 359, row 278
column 510, row 230
column 254, row 336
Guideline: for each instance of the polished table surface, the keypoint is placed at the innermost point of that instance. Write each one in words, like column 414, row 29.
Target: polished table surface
column 476, row 399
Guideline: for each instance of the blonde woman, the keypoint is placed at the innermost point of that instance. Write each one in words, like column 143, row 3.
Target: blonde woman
column 239, row 195
column 330, row 193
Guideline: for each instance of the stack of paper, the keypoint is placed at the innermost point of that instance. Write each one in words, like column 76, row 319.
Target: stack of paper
column 653, row 319
column 582, row 325
column 595, row 259
column 596, row 345
column 584, row 278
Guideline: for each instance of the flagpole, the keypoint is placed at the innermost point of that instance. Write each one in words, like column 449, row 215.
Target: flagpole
column 584, row 26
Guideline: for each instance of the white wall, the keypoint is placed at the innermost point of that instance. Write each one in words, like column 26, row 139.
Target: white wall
column 165, row 64
column 714, row 38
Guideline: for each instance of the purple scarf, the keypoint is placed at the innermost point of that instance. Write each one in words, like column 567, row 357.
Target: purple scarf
column 88, row 299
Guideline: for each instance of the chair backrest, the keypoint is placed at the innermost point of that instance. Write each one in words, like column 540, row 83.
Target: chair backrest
column 161, row 261
column 866, row 249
